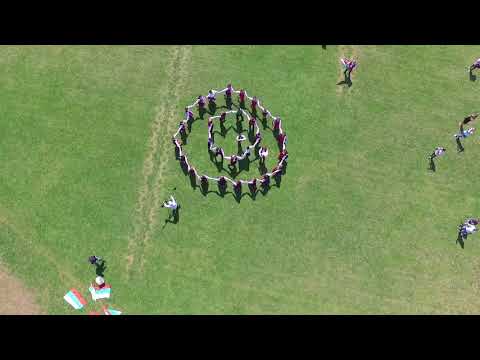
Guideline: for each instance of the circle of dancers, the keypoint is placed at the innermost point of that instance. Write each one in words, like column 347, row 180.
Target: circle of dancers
column 217, row 152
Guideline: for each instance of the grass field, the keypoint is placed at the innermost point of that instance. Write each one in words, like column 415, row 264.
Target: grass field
column 359, row 225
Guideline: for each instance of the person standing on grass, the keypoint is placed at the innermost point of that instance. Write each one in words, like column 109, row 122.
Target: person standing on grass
column 228, row 91
column 265, row 113
column 263, row 153
column 188, row 115
column 222, row 182
column 241, row 96
column 171, row 204
column 237, row 186
column 462, row 134
column 265, row 181
column 182, row 128
column 239, row 114
column 349, row 66
column 219, row 151
column 467, row 229
column 201, row 104
column 211, row 97
column 233, row 161
column 276, row 123
column 253, row 104
column 204, row 181
column 223, row 117
column 251, row 124
column 475, row 65
column 252, row 185
column 439, row 151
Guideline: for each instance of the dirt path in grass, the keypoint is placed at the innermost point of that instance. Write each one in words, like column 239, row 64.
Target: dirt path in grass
column 159, row 149
column 15, row 298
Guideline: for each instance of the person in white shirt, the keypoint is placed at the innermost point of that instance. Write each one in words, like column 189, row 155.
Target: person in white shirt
column 467, row 229
column 263, row 153
column 475, row 65
column 439, row 151
column 171, row 204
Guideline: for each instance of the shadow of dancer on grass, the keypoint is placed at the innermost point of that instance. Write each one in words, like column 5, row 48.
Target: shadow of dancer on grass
column 100, row 265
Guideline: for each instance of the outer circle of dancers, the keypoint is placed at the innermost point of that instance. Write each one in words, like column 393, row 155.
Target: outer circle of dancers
column 233, row 159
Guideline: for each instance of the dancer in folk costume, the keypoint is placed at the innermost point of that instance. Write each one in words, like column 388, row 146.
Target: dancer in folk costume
column 349, row 66
column 263, row 153
column 188, row 115
column 211, row 97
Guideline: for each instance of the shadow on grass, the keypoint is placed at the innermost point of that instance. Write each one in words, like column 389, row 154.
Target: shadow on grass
column 460, row 147
column 472, row 76
column 346, row 81
column 173, row 217
column 100, row 268
column 460, row 239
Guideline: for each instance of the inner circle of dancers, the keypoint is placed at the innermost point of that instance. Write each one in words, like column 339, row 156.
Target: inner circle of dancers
column 233, row 159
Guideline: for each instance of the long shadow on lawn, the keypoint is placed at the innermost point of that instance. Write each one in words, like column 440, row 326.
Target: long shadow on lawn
column 460, row 147
column 173, row 218
column 347, row 80
column 472, row 76
column 460, row 240
column 100, row 268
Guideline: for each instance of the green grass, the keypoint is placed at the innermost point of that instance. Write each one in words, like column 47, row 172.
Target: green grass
column 359, row 225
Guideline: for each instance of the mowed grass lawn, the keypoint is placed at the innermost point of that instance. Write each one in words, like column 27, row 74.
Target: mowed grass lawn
column 358, row 225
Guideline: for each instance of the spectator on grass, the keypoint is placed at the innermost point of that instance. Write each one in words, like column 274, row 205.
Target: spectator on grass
column 100, row 282
column 439, row 151
column 467, row 229
column 475, row 65
column 348, row 65
column 464, row 133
